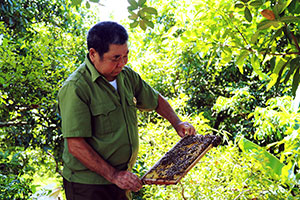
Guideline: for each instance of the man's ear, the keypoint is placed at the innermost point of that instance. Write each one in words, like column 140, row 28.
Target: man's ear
column 92, row 54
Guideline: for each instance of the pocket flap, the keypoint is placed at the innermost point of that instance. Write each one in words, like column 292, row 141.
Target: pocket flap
column 103, row 109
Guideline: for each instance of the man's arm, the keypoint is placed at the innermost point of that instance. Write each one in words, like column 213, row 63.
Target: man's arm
column 81, row 150
column 166, row 111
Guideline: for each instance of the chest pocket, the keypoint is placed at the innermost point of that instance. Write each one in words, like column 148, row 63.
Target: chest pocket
column 102, row 118
column 132, row 110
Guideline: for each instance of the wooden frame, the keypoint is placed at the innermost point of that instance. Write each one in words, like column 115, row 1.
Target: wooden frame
column 162, row 181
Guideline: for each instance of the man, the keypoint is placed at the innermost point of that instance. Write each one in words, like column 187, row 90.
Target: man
column 98, row 105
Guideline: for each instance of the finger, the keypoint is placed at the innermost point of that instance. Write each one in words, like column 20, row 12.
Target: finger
column 140, row 182
column 136, row 181
column 187, row 129
column 135, row 184
column 193, row 131
column 135, row 187
column 184, row 129
column 181, row 133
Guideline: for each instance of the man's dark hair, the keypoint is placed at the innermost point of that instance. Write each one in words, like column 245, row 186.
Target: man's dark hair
column 101, row 35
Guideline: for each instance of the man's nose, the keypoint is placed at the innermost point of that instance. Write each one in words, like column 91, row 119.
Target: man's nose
column 122, row 62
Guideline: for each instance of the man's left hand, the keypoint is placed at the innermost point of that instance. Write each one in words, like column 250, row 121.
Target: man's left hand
column 185, row 128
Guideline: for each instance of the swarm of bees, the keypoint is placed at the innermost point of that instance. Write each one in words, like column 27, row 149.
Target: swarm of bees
column 180, row 159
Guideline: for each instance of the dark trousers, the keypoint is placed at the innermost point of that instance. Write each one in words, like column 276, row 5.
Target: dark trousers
column 78, row 191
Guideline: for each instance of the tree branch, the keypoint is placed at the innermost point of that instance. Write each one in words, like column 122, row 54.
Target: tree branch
column 182, row 191
column 13, row 121
column 7, row 124
column 56, row 164
column 296, row 42
column 283, row 54
column 293, row 37
column 242, row 35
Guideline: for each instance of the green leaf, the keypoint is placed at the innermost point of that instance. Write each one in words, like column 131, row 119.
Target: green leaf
column 134, row 24
column 289, row 19
column 245, row 1
column 277, row 9
column 76, row 2
column 295, row 83
column 291, row 7
column 94, row 1
column 141, row 13
column 280, row 74
column 241, row 59
column 272, row 63
column 133, row 4
column 280, row 6
column 150, row 10
column 278, row 33
column 2, row 81
column 141, row 2
column 87, row 4
column 256, row 67
column 131, row 8
column 143, row 25
column 267, row 24
column 239, row 5
column 272, row 82
column 256, row 3
column 279, row 64
column 149, row 23
column 247, row 14
column 269, row 162
column 133, row 16
column 295, row 61
column 293, row 65
column 254, row 37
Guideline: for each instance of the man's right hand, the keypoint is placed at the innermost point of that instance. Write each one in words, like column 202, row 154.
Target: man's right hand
column 127, row 181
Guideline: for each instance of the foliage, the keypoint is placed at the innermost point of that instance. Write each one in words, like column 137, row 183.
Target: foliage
column 277, row 126
column 21, row 16
column 140, row 13
column 216, row 61
column 274, row 119
column 268, row 161
column 143, row 16
column 223, row 173
column 13, row 166
column 39, row 48
column 223, row 57
column 280, row 47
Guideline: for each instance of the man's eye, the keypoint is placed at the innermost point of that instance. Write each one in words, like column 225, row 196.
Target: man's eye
column 118, row 59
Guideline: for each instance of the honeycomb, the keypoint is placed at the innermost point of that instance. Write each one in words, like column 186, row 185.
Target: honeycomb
column 180, row 159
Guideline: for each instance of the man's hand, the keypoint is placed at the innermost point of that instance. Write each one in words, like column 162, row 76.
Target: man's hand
column 166, row 111
column 81, row 150
column 185, row 128
column 127, row 181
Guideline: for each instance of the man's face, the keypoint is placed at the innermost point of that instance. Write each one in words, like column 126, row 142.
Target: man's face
column 112, row 61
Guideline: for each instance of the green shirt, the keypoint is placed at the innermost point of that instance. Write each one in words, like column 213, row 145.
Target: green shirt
column 90, row 107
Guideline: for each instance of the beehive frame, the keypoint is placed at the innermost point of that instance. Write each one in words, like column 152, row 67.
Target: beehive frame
column 158, row 166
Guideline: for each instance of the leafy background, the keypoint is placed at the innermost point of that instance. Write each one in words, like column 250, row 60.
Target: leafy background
column 229, row 67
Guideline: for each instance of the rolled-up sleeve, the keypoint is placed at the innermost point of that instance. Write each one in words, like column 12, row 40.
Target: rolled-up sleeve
column 146, row 96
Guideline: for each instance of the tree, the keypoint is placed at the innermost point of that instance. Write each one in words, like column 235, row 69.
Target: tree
column 226, row 57
column 140, row 14
column 39, row 48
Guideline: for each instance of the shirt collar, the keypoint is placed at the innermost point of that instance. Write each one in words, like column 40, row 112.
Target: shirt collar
column 95, row 74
